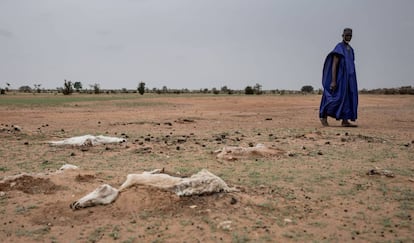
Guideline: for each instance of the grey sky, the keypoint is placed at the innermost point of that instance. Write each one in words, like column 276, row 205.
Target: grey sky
column 280, row 44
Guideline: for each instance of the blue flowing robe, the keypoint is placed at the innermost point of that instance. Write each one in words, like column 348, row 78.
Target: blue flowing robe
column 343, row 102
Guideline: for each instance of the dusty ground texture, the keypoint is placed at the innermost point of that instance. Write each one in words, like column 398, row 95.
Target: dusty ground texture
column 318, row 190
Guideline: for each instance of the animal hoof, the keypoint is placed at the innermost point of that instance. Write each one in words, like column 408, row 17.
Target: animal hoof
column 75, row 205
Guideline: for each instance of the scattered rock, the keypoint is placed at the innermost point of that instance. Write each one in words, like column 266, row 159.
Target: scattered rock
column 381, row 172
column 225, row 225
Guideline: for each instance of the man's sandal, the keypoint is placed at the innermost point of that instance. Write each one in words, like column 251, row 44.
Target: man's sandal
column 324, row 122
column 347, row 124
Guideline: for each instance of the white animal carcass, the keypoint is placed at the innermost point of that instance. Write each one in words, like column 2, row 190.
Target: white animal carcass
column 104, row 194
column 234, row 153
column 204, row 182
column 88, row 140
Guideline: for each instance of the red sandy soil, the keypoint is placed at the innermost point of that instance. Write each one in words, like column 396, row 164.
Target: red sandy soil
column 318, row 190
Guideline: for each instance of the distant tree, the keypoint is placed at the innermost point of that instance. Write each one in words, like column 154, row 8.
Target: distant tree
column 67, row 88
column 249, row 90
column 257, row 89
column 307, row 89
column 96, row 88
column 2, row 91
column 25, row 89
column 141, row 88
column 77, row 85
column 215, row 91
column 37, row 87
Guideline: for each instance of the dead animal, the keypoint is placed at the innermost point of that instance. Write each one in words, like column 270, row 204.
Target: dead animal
column 88, row 140
column 104, row 194
column 204, row 182
column 234, row 153
column 378, row 171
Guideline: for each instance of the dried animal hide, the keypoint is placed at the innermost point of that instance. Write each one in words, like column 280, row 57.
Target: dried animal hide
column 88, row 140
column 234, row 153
column 204, row 182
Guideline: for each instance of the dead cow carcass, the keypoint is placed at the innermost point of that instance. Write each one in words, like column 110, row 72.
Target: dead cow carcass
column 204, row 182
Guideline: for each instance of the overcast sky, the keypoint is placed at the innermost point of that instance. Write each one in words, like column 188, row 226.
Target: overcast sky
column 280, row 44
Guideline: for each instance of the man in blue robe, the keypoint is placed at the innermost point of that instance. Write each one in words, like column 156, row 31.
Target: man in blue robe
column 340, row 89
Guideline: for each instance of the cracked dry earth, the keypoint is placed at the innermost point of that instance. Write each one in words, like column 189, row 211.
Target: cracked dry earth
column 318, row 189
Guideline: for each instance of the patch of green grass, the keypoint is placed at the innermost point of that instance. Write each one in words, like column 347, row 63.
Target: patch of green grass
column 297, row 235
column 268, row 206
column 239, row 238
column 23, row 209
column 26, row 166
column 115, row 233
column 36, row 233
column 56, row 100
column 130, row 240
column 97, row 234
column 186, row 222
column 46, row 164
column 374, row 208
column 183, row 170
column 139, row 104
column 318, row 224
column 387, row 222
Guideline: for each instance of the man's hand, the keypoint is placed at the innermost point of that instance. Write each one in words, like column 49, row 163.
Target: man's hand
column 333, row 86
column 335, row 64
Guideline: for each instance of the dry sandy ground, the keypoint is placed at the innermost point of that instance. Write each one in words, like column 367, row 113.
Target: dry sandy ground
column 318, row 190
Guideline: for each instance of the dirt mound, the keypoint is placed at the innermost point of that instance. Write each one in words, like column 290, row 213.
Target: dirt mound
column 137, row 203
column 29, row 184
column 84, row 178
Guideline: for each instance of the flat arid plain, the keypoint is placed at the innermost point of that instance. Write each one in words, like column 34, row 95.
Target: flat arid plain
column 327, row 184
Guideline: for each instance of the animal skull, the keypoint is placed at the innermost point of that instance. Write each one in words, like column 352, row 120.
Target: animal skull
column 104, row 194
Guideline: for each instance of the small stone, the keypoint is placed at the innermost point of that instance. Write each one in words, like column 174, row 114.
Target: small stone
column 233, row 201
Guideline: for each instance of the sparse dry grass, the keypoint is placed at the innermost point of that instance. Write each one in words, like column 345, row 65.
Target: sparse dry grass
column 317, row 191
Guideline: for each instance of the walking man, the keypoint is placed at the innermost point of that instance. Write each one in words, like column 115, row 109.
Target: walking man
column 340, row 89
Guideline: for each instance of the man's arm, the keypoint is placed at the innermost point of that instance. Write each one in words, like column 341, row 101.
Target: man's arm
column 335, row 64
